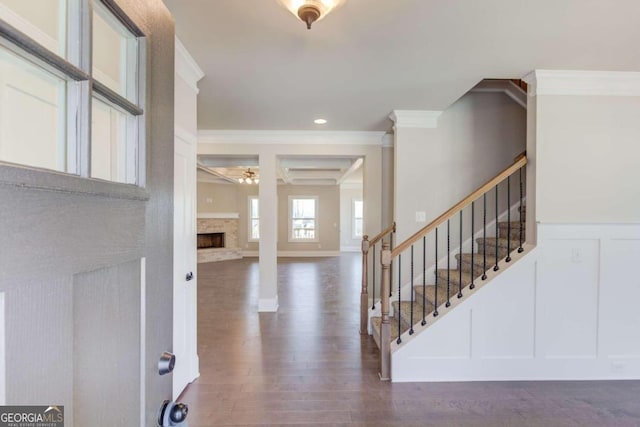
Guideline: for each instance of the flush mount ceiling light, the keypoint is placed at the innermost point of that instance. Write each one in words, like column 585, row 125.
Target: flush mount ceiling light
column 310, row 11
column 249, row 177
column 320, row 121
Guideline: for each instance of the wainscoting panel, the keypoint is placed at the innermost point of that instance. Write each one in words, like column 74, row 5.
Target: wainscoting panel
column 566, row 311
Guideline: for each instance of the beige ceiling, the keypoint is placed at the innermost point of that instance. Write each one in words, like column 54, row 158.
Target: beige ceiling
column 265, row 70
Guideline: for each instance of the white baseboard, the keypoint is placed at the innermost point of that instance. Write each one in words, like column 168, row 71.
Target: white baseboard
column 268, row 305
column 350, row 249
column 296, row 254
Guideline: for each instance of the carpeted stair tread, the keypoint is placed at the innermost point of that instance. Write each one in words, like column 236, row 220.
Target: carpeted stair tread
column 431, row 293
column 454, row 277
column 405, row 312
column 465, row 261
column 375, row 326
column 491, row 246
column 503, row 230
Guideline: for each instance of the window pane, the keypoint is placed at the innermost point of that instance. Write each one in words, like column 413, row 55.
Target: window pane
column 255, row 229
column 357, row 227
column 115, row 52
column 357, row 208
column 304, row 208
column 32, row 114
column 254, row 208
column 42, row 20
column 111, row 148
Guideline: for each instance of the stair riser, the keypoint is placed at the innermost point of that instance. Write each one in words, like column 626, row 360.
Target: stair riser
column 477, row 270
column 503, row 232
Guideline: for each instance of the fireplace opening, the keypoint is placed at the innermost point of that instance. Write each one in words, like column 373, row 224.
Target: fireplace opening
column 210, row 240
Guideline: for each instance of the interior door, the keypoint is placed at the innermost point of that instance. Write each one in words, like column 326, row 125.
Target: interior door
column 185, row 280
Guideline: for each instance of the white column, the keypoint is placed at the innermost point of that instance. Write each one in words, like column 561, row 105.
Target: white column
column 268, row 299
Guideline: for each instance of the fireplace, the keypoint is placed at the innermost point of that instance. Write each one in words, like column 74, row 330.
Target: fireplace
column 210, row 240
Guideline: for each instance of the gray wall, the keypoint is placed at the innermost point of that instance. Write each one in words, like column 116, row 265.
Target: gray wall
column 54, row 227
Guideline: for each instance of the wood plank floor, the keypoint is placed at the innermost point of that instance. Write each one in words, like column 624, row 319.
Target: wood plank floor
column 307, row 365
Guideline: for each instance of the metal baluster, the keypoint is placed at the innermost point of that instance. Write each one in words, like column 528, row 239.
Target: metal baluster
column 373, row 307
column 391, row 266
column 435, row 303
column 508, row 259
column 411, row 327
column 495, row 267
column 520, row 248
column 448, row 263
column 460, row 262
column 484, row 235
column 424, row 280
column 399, row 299
column 473, row 244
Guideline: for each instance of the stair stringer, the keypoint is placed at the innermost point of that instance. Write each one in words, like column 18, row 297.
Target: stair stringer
column 468, row 245
column 443, row 349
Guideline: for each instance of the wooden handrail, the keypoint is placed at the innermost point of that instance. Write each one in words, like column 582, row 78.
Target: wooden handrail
column 521, row 160
column 389, row 229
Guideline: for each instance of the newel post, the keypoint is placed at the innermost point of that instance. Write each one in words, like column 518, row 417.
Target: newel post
column 385, row 327
column 364, row 293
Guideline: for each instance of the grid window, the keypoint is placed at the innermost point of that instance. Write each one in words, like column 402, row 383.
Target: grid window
column 48, row 92
column 303, row 216
column 358, row 218
column 254, row 219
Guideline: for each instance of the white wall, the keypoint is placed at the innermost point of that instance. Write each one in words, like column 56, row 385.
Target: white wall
column 566, row 311
column 348, row 193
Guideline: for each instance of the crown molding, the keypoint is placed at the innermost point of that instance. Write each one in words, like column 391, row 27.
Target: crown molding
column 415, row 119
column 584, row 83
column 388, row 140
column 187, row 67
column 502, row 86
column 292, row 137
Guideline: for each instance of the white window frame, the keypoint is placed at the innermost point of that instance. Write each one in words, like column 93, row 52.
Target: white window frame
column 250, row 218
column 353, row 218
column 82, row 87
column 292, row 239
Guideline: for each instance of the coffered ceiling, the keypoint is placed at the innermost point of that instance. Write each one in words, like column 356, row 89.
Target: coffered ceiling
column 265, row 70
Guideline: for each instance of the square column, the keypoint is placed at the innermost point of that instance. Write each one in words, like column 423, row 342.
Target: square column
column 268, row 250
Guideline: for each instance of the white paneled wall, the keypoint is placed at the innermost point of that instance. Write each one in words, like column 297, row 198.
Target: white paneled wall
column 567, row 310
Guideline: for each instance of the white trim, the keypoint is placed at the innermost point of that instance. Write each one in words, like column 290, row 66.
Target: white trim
column 187, row 67
column 297, row 254
column 316, row 221
column 293, row 137
column 584, row 83
column 350, row 249
column 250, row 218
column 415, row 119
column 185, row 135
column 502, row 86
column 268, row 305
column 388, row 140
column 221, row 215
column 307, row 254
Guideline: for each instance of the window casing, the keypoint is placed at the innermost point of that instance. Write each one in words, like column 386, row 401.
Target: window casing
column 303, row 219
column 56, row 91
column 357, row 218
column 254, row 219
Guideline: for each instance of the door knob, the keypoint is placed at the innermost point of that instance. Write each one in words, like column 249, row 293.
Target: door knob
column 189, row 276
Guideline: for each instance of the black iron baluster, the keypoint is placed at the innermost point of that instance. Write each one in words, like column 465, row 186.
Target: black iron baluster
column 373, row 307
column 473, row 243
column 460, row 262
column 424, row 280
column 484, row 239
column 399, row 299
column 495, row 267
column 508, row 259
column 411, row 327
column 448, row 263
column 520, row 248
column 435, row 290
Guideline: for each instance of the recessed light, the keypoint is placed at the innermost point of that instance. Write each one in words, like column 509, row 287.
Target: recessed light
column 320, row 121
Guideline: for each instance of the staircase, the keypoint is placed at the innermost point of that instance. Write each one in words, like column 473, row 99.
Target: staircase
column 508, row 237
column 424, row 290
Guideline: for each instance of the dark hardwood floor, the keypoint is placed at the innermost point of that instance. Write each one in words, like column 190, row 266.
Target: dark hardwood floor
column 308, row 365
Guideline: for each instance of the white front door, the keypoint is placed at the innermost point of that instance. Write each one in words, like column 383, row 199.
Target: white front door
column 184, row 256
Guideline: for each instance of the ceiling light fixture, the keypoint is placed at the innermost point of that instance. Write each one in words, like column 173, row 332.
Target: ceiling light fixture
column 310, row 11
column 249, row 177
column 320, row 121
